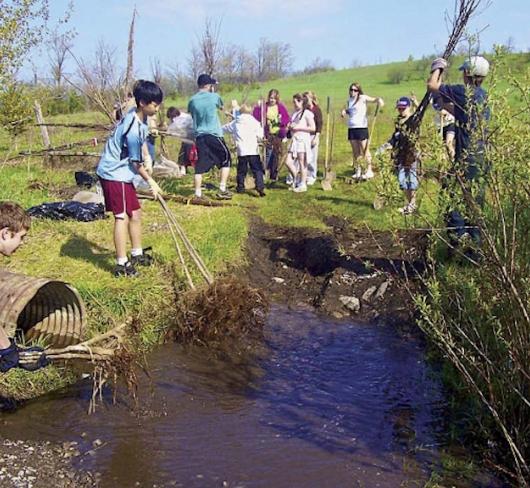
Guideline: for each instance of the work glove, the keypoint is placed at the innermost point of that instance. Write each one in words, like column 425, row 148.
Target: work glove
column 438, row 63
column 153, row 132
column 9, row 357
column 155, row 188
column 32, row 365
column 380, row 102
column 148, row 164
column 13, row 357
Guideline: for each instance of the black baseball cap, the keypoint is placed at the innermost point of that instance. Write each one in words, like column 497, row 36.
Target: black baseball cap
column 205, row 79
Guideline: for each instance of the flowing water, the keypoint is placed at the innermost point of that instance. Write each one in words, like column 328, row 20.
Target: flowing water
column 320, row 403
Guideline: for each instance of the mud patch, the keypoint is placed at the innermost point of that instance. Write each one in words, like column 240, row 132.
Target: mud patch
column 342, row 272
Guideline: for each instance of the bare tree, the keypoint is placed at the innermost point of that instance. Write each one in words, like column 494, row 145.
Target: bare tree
column 156, row 70
column 99, row 80
column 195, row 63
column 59, row 46
column 273, row 59
column 129, row 72
column 210, row 45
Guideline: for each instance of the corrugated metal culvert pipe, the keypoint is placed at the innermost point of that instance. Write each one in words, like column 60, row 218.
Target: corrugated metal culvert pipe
column 41, row 307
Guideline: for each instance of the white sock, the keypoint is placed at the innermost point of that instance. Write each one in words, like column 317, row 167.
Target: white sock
column 222, row 186
column 137, row 252
column 198, row 193
column 121, row 261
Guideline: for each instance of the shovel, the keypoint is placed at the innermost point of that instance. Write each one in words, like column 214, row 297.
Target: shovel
column 329, row 176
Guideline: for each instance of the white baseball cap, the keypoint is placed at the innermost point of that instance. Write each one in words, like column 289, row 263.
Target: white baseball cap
column 476, row 66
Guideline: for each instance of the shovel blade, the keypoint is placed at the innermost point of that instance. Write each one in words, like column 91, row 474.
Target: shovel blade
column 250, row 184
column 327, row 181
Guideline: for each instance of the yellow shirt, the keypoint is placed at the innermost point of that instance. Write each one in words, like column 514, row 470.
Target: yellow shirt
column 273, row 119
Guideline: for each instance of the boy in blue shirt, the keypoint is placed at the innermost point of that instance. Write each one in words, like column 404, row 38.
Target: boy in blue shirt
column 468, row 103
column 121, row 161
column 211, row 147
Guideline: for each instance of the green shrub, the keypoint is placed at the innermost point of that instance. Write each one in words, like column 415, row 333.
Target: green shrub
column 479, row 315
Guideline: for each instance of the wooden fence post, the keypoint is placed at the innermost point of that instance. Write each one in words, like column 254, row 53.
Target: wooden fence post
column 43, row 128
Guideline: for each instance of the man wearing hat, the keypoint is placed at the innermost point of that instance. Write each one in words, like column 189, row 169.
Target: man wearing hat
column 211, row 147
column 469, row 107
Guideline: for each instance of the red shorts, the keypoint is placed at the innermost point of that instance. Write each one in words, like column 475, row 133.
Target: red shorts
column 120, row 197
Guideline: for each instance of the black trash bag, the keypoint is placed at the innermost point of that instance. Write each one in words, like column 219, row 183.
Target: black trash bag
column 84, row 179
column 83, row 212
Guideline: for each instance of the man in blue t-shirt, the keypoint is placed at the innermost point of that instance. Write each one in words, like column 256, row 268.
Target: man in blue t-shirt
column 211, row 147
column 468, row 103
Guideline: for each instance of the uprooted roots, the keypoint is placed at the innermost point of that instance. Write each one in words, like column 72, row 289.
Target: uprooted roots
column 122, row 366
column 229, row 308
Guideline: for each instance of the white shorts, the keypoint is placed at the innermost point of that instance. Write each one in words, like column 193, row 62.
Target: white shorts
column 300, row 144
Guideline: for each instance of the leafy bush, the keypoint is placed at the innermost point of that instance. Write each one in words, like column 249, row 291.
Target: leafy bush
column 16, row 108
column 479, row 315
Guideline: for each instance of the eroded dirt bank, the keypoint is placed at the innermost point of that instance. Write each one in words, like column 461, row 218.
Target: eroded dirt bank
column 344, row 271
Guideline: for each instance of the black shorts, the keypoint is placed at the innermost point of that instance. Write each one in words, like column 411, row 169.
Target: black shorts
column 211, row 151
column 448, row 128
column 358, row 134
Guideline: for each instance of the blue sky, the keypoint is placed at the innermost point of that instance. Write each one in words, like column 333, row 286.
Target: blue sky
column 343, row 31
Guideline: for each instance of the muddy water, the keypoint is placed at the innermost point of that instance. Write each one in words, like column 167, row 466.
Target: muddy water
column 321, row 403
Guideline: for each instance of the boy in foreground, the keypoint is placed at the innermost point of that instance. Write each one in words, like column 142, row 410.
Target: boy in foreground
column 14, row 225
column 121, row 161
column 211, row 147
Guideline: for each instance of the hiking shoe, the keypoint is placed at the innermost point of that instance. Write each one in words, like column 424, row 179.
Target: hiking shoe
column 127, row 270
column 300, row 189
column 224, row 195
column 261, row 193
column 310, row 181
column 144, row 259
column 240, row 190
column 368, row 175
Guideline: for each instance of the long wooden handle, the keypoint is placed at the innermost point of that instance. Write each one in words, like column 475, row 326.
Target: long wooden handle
column 371, row 131
column 326, row 157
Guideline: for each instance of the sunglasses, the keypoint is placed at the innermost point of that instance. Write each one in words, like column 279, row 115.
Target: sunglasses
column 354, row 90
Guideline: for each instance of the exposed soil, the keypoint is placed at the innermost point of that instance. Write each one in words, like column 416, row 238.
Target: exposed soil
column 341, row 272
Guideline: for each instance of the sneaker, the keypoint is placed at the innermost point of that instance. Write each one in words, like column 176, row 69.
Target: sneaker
column 240, row 190
column 358, row 174
column 127, row 270
column 368, row 175
column 261, row 193
column 310, row 180
column 224, row 195
column 300, row 189
column 145, row 259
column 289, row 180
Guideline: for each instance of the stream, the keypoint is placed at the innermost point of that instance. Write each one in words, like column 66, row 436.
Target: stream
column 318, row 403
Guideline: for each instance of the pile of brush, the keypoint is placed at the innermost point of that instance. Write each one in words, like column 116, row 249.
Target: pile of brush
column 112, row 355
column 227, row 308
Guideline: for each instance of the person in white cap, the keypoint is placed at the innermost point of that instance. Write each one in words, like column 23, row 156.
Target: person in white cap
column 469, row 107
